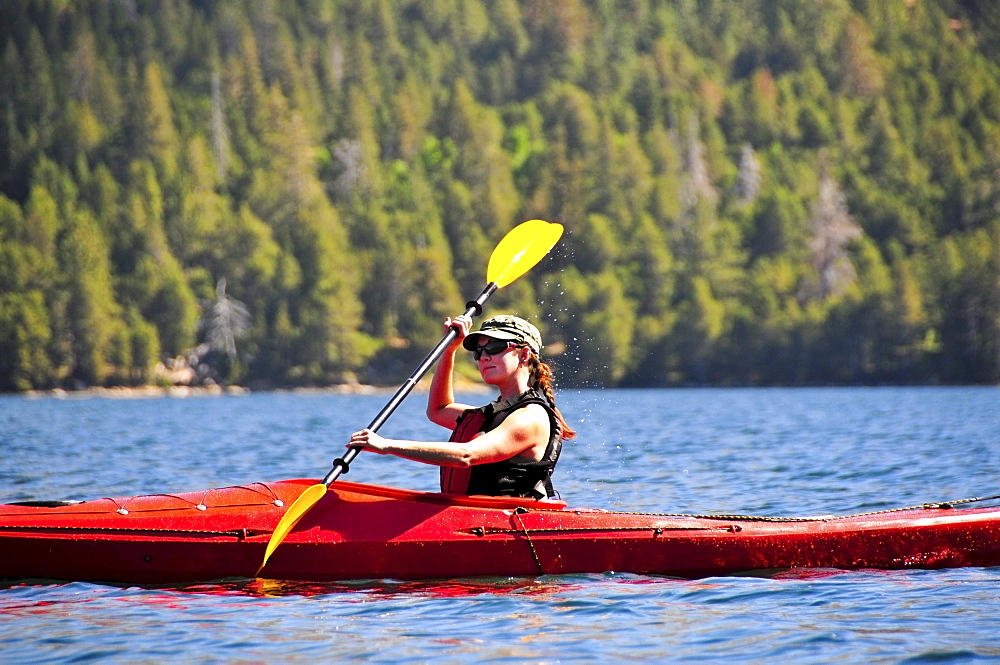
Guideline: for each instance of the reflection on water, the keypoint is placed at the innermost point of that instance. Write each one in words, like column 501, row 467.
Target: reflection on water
column 368, row 589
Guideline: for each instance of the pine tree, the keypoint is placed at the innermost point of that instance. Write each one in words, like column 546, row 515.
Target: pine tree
column 832, row 228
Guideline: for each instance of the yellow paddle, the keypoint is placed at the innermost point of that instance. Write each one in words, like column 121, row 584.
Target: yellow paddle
column 523, row 247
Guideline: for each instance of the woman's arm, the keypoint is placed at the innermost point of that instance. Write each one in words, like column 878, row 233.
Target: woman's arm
column 524, row 433
column 441, row 406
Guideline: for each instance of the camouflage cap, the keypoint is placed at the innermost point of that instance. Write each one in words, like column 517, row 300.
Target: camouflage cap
column 509, row 328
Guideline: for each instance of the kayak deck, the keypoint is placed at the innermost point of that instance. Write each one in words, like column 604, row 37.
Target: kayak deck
column 359, row 531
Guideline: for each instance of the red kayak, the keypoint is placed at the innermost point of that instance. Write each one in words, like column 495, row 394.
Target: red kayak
column 364, row 531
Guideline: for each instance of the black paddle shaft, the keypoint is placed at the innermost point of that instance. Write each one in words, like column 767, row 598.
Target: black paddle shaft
column 474, row 308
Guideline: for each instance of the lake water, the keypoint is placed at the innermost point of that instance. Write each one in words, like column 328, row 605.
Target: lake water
column 781, row 452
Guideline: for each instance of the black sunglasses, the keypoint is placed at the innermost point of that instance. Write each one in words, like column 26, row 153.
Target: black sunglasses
column 493, row 348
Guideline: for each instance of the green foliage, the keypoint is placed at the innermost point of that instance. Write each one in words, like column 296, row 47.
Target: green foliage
column 754, row 191
column 92, row 312
column 24, row 336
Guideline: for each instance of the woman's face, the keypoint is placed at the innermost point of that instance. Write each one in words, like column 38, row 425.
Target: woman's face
column 499, row 367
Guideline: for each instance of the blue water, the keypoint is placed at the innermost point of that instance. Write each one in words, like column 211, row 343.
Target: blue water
column 759, row 451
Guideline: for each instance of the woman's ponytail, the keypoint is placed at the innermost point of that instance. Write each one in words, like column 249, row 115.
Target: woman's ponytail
column 542, row 379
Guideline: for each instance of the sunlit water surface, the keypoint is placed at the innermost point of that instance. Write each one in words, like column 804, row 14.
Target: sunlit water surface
column 778, row 452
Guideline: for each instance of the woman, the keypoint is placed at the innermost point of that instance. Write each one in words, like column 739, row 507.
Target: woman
column 508, row 447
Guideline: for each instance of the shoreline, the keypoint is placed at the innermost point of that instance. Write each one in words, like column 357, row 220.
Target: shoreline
column 184, row 392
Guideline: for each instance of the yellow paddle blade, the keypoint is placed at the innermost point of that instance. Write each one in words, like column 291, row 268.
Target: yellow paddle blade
column 524, row 246
column 291, row 517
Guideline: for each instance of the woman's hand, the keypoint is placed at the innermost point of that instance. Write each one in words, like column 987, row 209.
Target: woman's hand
column 368, row 440
column 462, row 324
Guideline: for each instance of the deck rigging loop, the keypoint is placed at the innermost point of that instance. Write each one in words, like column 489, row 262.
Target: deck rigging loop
column 516, row 516
column 952, row 504
column 482, row 531
column 127, row 505
column 937, row 505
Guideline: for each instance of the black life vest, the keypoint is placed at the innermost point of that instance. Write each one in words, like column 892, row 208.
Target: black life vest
column 507, row 477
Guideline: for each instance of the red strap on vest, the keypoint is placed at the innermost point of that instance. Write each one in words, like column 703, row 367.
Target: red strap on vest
column 454, row 480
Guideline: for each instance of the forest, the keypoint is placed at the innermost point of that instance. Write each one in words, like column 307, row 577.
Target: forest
column 283, row 193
